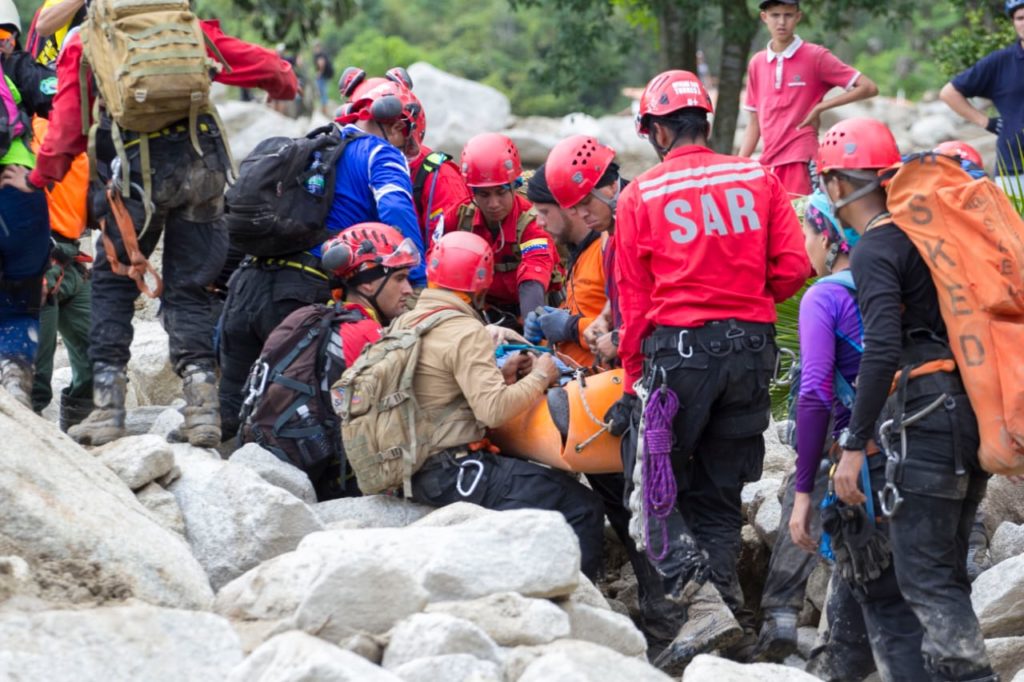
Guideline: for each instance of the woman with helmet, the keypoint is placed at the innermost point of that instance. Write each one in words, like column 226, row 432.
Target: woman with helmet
column 707, row 244
column 525, row 258
column 438, row 190
column 940, row 481
column 456, row 372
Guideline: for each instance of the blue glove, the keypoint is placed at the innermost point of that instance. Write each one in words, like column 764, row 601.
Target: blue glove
column 559, row 326
column 531, row 327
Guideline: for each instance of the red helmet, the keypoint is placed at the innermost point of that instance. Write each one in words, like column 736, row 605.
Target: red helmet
column 574, row 167
column 490, row 160
column 961, row 149
column 461, row 261
column 671, row 91
column 355, row 86
column 384, row 101
column 366, row 247
column 857, row 144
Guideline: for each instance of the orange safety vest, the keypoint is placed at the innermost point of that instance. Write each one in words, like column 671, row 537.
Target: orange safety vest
column 67, row 199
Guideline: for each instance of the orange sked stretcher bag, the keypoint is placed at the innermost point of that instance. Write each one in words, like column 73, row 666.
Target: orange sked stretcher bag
column 563, row 428
column 972, row 239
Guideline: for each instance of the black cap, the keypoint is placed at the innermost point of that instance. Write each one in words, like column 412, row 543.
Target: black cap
column 768, row 3
column 537, row 188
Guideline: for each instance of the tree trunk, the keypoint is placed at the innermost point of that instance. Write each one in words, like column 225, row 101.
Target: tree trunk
column 677, row 34
column 739, row 31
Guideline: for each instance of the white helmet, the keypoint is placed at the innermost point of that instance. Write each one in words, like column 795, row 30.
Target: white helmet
column 9, row 14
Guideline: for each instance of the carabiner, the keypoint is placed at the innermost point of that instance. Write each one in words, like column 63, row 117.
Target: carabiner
column 890, row 499
column 685, row 350
column 476, row 481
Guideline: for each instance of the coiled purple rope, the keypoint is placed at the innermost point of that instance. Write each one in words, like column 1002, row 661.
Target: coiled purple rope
column 659, row 479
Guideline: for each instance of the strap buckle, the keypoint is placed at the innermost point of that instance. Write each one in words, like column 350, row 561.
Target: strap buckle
column 683, row 346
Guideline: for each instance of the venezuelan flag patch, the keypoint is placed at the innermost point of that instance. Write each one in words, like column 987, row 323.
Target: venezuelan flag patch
column 533, row 245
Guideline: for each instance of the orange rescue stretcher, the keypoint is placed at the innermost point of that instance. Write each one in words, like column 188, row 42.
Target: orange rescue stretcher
column 564, row 429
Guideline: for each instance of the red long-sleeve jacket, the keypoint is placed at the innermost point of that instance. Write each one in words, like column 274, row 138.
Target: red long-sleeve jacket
column 444, row 192
column 537, row 259
column 252, row 66
column 702, row 237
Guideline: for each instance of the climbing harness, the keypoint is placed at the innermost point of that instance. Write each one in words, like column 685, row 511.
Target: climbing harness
column 890, row 497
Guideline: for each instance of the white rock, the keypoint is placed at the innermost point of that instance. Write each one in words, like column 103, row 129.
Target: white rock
column 568, row 660
column 510, row 618
column 137, row 460
column 436, row 634
column 170, row 419
column 235, row 520
column 606, row 628
column 366, row 646
column 139, row 421
column 372, row 511
column 15, row 578
column 997, row 596
column 122, row 643
column 779, row 457
column 450, row 668
column 816, row 591
column 67, row 514
column 1003, row 501
column 162, row 505
column 706, row 667
column 454, row 514
column 450, row 122
column 275, row 471
column 1007, row 542
column 151, row 379
column 587, row 593
column 768, row 520
column 1019, row 677
column 359, row 594
column 298, row 657
column 928, row 131
column 249, row 123
column 805, row 640
column 1006, row 655
column 753, row 494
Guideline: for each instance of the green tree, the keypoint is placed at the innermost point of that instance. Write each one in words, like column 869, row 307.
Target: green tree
column 984, row 29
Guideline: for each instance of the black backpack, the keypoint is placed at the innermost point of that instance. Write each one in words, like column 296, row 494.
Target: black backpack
column 269, row 211
column 287, row 407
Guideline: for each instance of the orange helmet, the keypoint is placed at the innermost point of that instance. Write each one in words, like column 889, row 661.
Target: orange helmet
column 671, row 91
column 367, row 251
column 491, row 160
column 857, row 144
column 461, row 261
column 961, row 149
column 574, row 167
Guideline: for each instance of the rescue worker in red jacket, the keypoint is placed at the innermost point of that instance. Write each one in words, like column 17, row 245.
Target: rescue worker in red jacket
column 707, row 245
column 525, row 258
column 195, row 244
column 438, row 188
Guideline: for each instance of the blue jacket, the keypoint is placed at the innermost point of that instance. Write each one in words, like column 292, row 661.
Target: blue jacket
column 373, row 184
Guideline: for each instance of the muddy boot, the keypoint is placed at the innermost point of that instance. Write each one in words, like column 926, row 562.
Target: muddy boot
column 777, row 639
column 16, row 379
column 73, row 410
column 106, row 422
column 202, row 409
column 709, row 625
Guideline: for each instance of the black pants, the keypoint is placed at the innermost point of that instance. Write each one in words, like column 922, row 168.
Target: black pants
column 790, row 566
column 845, row 652
column 187, row 195
column 929, row 532
column 721, row 379
column 510, row 483
column 259, row 298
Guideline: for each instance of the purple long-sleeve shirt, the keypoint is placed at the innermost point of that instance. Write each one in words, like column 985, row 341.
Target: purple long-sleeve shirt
column 825, row 308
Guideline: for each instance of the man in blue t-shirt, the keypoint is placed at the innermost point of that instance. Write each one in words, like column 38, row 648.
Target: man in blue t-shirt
column 999, row 77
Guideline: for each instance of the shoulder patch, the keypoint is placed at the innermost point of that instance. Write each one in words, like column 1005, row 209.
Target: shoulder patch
column 48, row 86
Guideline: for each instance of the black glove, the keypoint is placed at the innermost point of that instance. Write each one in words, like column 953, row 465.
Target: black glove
column 995, row 125
column 620, row 414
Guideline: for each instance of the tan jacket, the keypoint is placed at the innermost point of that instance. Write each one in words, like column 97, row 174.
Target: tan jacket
column 457, row 378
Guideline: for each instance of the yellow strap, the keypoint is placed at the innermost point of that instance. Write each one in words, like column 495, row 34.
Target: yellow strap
column 292, row 264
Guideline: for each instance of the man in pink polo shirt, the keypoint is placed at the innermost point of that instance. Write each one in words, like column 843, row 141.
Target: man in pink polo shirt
column 786, row 84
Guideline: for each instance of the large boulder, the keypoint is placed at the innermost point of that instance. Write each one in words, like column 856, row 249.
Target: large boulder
column 930, row 130
column 510, row 618
column 1006, row 655
column 234, row 519
column 275, row 471
column 436, row 634
column 151, row 379
column 1007, row 542
column 457, row 109
column 137, row 460
column 135, row 642
column 755, row 493
column 450, row 668
column 249, row 123
column 768, row 519
column 997, row 596
column 532, row 552
column 371, row 511
column 606, row 628
column 79, row 526
column 162, row 505
column 298, row 657
column 1004, row 501
column 572, row 661
column 706, row 667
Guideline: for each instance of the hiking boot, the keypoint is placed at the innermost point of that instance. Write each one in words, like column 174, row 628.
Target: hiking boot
column 106, row 421
column 16, row 379
column 73, row 410
column 709, row 625
column 202, row 408
column 978, row 559
column 777, row 638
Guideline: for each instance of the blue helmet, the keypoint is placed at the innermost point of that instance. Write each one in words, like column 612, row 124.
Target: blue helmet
column 1012, row 6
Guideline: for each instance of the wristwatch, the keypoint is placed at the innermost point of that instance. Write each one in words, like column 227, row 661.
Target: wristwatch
column 848, row 441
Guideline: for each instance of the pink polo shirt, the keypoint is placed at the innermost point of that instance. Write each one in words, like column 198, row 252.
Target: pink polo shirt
column 783, row 88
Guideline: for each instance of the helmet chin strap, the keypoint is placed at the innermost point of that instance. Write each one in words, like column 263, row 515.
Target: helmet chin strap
column 610, row 203
column 831, row 257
